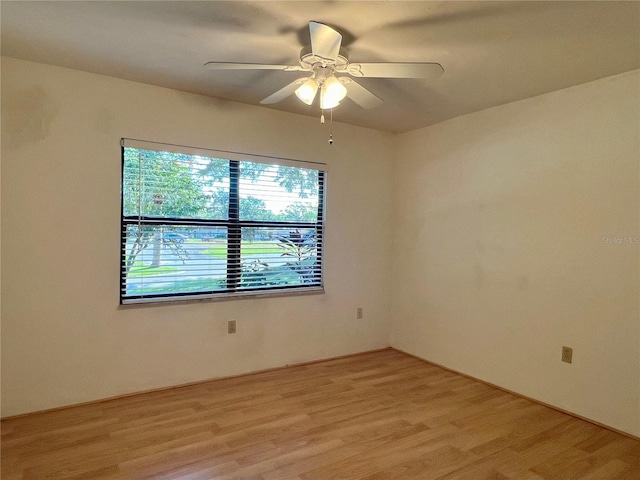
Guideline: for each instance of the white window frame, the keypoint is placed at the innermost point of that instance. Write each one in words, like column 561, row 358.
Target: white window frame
column 233, row 224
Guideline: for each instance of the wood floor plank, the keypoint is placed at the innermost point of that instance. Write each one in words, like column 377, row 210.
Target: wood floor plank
column 377, row 416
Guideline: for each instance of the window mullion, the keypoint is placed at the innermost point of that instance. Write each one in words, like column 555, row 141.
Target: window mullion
column 320, row 222
column 234, row 235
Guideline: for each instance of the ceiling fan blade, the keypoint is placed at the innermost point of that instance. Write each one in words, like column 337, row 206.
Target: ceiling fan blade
column 395, row 70
column 325, row 41
column 283, row 92
column 250, row 66
column 360, row 95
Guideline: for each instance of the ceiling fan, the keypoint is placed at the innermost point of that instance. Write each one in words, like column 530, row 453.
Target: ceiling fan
column 323, row 61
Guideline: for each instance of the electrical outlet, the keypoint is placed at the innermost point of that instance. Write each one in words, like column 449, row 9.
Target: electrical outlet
column 231, row 326
column 359, row 312
column 567, row 354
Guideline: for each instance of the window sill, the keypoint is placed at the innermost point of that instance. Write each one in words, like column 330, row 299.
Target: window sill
column 156, row 302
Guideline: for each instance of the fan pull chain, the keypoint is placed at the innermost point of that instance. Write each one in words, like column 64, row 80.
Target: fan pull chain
column 331, row 127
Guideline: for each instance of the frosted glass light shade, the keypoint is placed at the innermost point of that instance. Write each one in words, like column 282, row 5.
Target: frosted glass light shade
column 332, row 92
column 307, row 91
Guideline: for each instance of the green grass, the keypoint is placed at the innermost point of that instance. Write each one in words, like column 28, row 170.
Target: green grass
column 145, row 271
column 247, row 248
column 275, row 276
column 184, row 286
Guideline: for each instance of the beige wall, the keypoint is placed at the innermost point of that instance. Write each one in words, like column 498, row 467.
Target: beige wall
column 500, row 218
column 64, row 339
column 498, row 247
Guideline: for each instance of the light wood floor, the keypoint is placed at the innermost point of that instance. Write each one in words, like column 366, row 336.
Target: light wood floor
column 382, row 415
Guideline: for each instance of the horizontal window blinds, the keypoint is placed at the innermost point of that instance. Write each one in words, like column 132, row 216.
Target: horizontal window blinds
column 196, row 226
column 211, row 153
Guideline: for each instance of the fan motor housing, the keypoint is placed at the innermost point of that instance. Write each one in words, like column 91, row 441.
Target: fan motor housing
column 308, row 60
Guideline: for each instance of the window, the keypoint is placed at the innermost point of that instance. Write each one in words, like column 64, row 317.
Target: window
column 202, row 223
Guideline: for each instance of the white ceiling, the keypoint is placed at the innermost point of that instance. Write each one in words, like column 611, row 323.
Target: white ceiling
column 493, row 52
